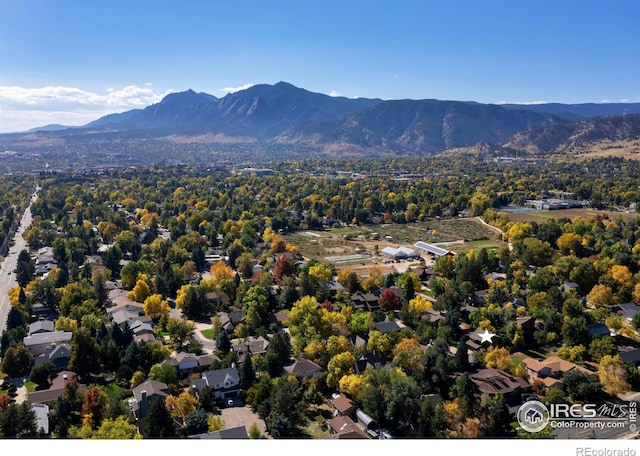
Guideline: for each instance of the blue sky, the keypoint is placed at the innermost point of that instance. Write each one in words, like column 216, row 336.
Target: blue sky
column 70, row 62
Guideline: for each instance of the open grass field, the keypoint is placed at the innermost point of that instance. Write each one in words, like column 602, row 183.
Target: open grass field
column 355, row 247
column 543, row 216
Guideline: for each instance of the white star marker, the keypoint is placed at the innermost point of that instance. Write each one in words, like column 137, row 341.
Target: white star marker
column 486, row 336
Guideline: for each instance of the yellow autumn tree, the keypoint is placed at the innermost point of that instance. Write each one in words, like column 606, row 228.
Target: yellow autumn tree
column 408, row 355
column 419, row 305
column 498, row 358
column 612, row 375
column 180, row 406
column 352, row 385
column 622, row 275
column 379, row 342
column 215, row 423
column 600, row 296
column 340, row 365
column 221, row 271
column 569, row 242
column 372, row 282
column 155, row 306
column 314, row 350
column 337, row 344
column 635, row 296
column 66, row 324
column 141, row 290
column 321, row 272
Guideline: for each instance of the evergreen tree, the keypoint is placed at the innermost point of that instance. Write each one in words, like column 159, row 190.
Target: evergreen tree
column 22, row 297
column 85, row 353
column 223, row 344
column 15, row 319
column 158, row 423
column 196, row 422
column 247, row 374
column 18, row 421
column 198, row 257
column 63, row 275
column 206, row 400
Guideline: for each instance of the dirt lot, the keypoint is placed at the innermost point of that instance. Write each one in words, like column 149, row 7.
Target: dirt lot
column 234, row 416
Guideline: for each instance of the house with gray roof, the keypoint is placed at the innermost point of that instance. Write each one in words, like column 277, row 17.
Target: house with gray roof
column 59, row 355
column 388, row 326
column 41, row 343
column 234, row 433
column 144, row 394
column 627, row 310
column 41, row 326
column 224, row 383
column 42, row 416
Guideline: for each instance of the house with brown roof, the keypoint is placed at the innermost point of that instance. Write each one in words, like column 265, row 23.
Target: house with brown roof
column 56, row 389
column 553, row 366
column 495, row 381
column 343, row 406
column 277, row 320
column 343, row 427
column 218, row 298
column 303, row 368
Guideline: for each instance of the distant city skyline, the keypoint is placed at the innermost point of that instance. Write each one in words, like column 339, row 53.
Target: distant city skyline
column 71, row 62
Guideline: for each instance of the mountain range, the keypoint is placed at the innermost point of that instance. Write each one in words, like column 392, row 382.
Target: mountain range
column 283, row 113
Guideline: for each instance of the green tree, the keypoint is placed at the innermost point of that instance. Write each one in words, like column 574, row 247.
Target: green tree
column 197, row 422
column 158, row 423
column 391, row 398
column 164, row 373
column 85, row 354
column 16, row 361
column 18, row 421
column 43, row 373
column 247, row 374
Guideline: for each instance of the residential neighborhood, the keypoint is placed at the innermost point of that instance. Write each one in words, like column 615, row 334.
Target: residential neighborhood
column 198, row 326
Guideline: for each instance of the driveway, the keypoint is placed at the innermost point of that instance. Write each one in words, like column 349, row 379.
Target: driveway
column 235, row 416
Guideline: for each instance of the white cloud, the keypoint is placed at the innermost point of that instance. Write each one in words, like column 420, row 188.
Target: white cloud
column 22, row 108
column 148, row 84
column 335, row 93
column 605, row 101
column 624, row 100
column 236, row 89
column 537, row 102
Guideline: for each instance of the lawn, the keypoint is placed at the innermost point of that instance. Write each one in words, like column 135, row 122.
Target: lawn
column 315, row 427
column 31, row 386
column 543, row 216
column 208, row 333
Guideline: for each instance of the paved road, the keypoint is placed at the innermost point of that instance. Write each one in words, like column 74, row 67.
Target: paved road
column 7, row 276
